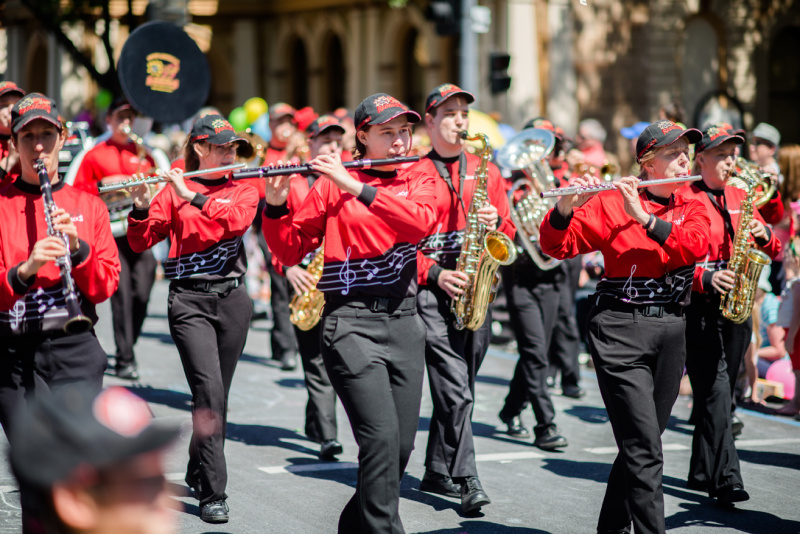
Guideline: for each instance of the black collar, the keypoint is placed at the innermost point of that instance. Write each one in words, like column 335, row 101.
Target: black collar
column 702, row 186
column 212, row 182
column 658, row 200
column 435, row 155
column 384, row 175
column 31, row 189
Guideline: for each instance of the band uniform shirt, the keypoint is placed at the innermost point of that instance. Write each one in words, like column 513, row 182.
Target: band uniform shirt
column 441, row 248
column 205, row 234
column 370, row 240
column 38, row 304
column 641, row 267
column 7, row 176
column 108, row 159
column 720, row 244
column 299, row 187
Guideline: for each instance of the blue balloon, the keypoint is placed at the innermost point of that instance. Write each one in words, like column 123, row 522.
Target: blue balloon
column 261, row 127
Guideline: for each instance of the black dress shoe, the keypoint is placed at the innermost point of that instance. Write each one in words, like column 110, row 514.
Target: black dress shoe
column 696, row 485
column 215, row 512
column 732, row 494
column 573, row 392
column 329, row 449
column 441, row 484
column 288, row 362
column 550, row 440
column 514, row 426
column 736, row 426
column 472, row 495
column 127, row 371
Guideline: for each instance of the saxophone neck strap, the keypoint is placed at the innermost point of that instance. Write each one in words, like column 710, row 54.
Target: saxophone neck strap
column 723, row 210
column 441, row 167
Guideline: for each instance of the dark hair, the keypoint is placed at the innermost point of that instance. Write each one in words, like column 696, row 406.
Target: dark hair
column 673, row 111
column 190, row 157
column 361, row 149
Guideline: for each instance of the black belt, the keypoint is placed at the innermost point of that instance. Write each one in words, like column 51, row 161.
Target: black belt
column 645, row 310
column 376, row 304
column 208, row 286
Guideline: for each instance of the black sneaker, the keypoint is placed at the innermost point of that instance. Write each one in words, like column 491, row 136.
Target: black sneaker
column 737, row 425
column 329, row 449
column 215, row 512
column 550, row 440
column 732, row 494
column 288, row 362
column 472, row 495
column 433, row 482
column 514, row 426
column 127, row 371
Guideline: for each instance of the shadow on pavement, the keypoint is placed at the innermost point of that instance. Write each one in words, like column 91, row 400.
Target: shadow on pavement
column 588, row 414
column 291, row 383
column 595, row 471
column 271, row 436
column 485, row 527
column 162, row 337
column 167, row 397
column 747, row 521
column 778, row 459
column 681, row 426
column 493, row 380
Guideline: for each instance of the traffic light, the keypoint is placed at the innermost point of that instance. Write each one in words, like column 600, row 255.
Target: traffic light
column 446, row 15
column 499, row 79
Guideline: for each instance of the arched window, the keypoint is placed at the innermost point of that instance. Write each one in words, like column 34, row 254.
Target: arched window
column 298, row 74
column 784, row 84
column 335, row 74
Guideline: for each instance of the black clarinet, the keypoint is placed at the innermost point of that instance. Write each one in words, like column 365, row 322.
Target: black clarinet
column 306, row 168
column 77, row 323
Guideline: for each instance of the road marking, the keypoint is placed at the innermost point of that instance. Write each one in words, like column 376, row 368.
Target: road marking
column 764, row 442
column 614, row 450
column 175, row 476
column 507, row 456
column 305, row 468
column 8, row 489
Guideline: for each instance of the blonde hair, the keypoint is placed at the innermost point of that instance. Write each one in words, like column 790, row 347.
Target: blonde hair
column 789, row 163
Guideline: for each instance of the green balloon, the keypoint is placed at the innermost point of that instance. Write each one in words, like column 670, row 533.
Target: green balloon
column 238, row 119
column 103, row 99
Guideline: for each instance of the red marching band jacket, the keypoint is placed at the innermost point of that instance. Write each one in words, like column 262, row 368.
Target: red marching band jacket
column 205, row 234
column 441, row 247
column 108, row 159
column 720, row 245
column 299, row 188
column 640, row 267
column 370, row 240
column 39, row 305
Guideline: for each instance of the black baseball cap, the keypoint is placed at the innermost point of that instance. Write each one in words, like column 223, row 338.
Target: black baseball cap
column 443, row 92
column 663, row 133
column 31, row 107
column 214, row 129
column 10, row 87
column 118, row 104
column 380, row 108
column 72, row 426
column 322, row 123
column 545, row 124
column 715, row 135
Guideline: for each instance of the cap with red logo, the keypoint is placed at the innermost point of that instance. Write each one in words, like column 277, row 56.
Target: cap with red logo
column 663, row 133
column 10, row 87
column 323, row 123
column 74, row 426
column 443, row 92
column 717, row 134
column 31, row 107
column 380, row 108
column 214, row 129
column 281, row 109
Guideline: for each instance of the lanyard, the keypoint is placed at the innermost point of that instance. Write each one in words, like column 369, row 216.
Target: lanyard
column 722, row 209
column 441, row 168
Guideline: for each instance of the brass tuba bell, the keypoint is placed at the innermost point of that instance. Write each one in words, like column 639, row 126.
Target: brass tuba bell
column 526, row 152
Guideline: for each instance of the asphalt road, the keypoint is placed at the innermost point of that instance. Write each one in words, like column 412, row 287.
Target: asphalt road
column 278, row 485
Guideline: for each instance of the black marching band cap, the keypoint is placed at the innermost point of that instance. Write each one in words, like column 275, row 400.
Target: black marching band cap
column 663, row 133
column 55, row 433
column 214, row 129
column 322, row 123
column 10, row 87
column 31, row 107
column 715, row 135
column 443, row 92
column 380, row 108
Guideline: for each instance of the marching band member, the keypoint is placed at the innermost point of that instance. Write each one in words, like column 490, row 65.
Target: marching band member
column 10, row 94
column 651, row 241
column 715, row 345
column 36, row 354
column 372, row 338
column 114, row 159
column 453, row 356
column 209, row 308
column 324, row 138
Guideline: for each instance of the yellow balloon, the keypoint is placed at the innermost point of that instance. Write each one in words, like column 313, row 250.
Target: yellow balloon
column 255, row 107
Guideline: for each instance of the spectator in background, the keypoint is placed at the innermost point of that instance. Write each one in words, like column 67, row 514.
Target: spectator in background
column 590, row 138
column 10, row 94
column 789, row 319
column 632, row 133
column 767, row 345
column 673, row 111
column 764, row 143
column 89, row 464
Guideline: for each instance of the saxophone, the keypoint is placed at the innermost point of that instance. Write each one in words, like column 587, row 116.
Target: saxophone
column 481, row 253
column 746, row 262
column 305, row 308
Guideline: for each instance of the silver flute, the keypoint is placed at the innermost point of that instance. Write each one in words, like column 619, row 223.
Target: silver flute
column 582, row 190
column 158, row 178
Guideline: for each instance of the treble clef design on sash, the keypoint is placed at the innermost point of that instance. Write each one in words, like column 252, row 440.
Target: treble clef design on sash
column 180, row 268
column 17, row 314
column 629, row 288
column 346, row 274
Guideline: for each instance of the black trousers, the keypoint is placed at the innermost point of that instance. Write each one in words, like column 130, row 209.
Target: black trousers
column 533, row 310
column 453, row 358
column 30, row 366
column 565, row 345
column 129, row 302
column 209, row 330
column 639, row 363
column 715, row 348
column 375, row 360
column 321, row 405
column 282, row 338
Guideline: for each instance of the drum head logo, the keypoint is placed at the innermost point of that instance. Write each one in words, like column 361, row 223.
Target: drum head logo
column 162, row 70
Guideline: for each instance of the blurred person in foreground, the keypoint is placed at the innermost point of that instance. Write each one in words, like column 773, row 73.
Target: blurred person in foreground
column 91, row 464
